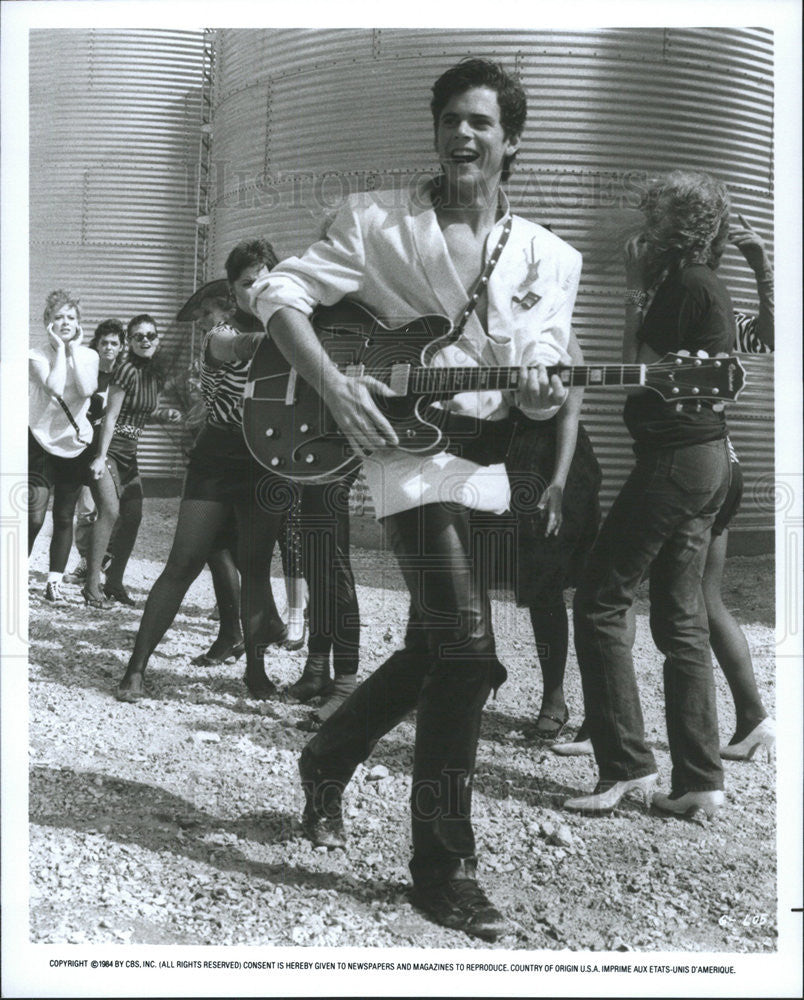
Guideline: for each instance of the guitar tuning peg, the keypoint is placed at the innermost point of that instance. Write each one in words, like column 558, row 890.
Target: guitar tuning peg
column 679, row 407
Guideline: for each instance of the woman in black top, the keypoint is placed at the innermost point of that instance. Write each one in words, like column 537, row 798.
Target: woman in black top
column 662, row 518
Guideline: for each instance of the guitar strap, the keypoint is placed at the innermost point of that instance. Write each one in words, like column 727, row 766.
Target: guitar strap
column 482, row 282
column 482, row 441
column 71, row 418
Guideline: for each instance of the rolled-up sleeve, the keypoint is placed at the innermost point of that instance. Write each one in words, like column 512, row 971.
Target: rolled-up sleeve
column 326, row 272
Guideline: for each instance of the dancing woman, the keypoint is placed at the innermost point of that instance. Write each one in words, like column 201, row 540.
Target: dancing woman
column 755, row 728
column 210, row 306
column 755, row 335
column 223, row 482
column 133, row 399
column 661, row 520
column 62, row 376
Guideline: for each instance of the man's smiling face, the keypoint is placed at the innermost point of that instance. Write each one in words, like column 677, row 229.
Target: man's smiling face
column 471, row 144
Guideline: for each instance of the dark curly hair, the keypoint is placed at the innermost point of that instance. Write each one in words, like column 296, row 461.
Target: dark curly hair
column 247, row 253
column 475, row 72
column 686, row 221
column 108, row 328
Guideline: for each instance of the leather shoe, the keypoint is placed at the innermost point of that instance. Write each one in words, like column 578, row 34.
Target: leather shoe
column 259, row 688
column 690, row 803
column 314, row 680
column 459, row 902
column 322, row 820
column 607, row 794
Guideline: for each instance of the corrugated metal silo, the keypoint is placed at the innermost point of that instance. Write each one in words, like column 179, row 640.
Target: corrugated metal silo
column 301, row 118
column 114, row 120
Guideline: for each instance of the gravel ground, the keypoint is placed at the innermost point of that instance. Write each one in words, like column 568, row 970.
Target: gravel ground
column 176, row 820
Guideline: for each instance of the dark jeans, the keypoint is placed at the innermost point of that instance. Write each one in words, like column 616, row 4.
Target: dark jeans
column 659, row 522
column 333, row 608
column 445, row 671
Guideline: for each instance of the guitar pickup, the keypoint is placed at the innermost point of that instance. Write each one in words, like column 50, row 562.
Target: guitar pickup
column 400, row 379
column 290, row 390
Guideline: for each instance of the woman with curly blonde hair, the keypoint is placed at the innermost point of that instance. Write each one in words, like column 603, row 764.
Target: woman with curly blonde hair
column 661, row 521
column 62, row 376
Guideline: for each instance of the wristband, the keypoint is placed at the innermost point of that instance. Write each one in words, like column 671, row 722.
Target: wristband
column 636, row 297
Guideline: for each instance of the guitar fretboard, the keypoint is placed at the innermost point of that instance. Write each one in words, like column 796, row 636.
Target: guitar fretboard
column 448, row 381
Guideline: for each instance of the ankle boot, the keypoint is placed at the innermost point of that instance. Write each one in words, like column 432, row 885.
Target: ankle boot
column 322, row 820
column 343, row 686
column 313, row 681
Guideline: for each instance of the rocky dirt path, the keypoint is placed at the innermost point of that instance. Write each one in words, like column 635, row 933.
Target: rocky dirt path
column 175, row 820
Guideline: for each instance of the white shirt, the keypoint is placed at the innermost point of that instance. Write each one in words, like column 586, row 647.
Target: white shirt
column 386, row 250
column 47, row 420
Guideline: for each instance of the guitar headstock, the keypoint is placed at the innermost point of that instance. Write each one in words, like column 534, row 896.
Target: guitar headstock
column 680, row 377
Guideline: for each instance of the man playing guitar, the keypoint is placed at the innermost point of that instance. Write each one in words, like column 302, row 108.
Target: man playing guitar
column 433, row 249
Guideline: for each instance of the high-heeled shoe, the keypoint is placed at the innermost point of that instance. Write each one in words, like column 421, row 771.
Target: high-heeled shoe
column 97, row 603
column 117, row 592
column 763, row 735
column 607, row 794
column 548, row 735
column 127, row 696
column 575, row 748
column 233, row 652
column 690, row 803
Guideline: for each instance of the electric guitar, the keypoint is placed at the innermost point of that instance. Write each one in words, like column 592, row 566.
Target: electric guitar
column 289, row 430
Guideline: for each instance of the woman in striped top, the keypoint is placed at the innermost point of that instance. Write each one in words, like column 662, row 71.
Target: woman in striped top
column 223, row 482
column 133, row 399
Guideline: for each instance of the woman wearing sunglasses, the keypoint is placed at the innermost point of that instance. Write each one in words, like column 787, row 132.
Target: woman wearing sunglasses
column 133, row 399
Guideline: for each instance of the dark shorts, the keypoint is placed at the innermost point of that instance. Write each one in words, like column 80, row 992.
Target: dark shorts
column 46, row 470
column 121, row 461
column 732, row 502
column 222, row 469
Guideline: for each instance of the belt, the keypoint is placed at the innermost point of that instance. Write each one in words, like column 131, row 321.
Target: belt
column 128, row 431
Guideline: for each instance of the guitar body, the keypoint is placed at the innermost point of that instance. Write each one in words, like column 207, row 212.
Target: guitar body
column 289, row 430
column 285, row 423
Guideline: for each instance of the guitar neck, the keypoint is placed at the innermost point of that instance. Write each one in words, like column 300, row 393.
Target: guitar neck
column 449, row 381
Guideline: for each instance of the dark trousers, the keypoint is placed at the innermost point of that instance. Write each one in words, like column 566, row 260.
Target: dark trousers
column 445, row 671
column 333, row 608
column 660, row 522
